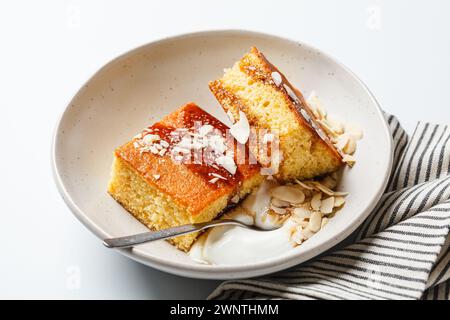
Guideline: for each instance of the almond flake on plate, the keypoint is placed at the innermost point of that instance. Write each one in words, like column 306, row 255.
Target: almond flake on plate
column 288, row 193
column 315, row 221
column 350, row 147
column 329, row 182
column 297, row 235
column 302, row 213
column 304, row 185
column 342, row 140
column 326, row 190
column 290, row 93
column 308, row 233
column 316, row 201
column 280, row 203
column 339, row 201
column 277, row 210
column 327, row 205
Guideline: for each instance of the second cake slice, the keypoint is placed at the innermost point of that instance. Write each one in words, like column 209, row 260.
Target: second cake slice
column 258, row 89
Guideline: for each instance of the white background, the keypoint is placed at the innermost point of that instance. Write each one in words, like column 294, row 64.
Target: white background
column 48, row 49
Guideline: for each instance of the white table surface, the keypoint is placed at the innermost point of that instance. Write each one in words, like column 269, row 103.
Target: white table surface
column 400, row 48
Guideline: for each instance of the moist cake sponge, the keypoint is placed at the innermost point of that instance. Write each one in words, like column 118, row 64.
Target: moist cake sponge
column 163, row 193
column 257, row 88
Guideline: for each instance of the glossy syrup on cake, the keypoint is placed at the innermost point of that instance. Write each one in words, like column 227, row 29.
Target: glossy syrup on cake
column 199, row 142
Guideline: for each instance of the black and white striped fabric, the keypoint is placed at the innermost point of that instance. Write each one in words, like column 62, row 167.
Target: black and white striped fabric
column 401, row 251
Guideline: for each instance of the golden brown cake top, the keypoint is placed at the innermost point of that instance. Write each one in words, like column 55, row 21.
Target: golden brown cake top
column 189, row 156
column 256, row 66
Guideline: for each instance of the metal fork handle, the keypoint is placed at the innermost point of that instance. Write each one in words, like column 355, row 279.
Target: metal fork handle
column 129, row 241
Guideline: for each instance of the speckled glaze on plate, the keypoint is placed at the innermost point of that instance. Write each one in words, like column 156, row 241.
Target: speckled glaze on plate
column 141, row 86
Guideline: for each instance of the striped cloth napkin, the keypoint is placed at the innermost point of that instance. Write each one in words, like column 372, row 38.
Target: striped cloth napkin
column 401, row 251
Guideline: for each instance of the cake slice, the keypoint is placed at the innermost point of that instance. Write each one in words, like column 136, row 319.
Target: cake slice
column 181, row 170
column 259, row 90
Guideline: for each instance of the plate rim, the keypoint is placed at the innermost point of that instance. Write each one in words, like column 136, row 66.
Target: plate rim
column 220, row 272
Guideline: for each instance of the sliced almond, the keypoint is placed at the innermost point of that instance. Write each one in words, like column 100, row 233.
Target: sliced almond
column 340, row 194
column 213, row 180
column 315, row 221
column 273, row 219
column 315, row 111
column 327, row 205
column 324, row 222
column 288, row 193
column 339, row 201
column 153, row 149
column 277, row 210
column 328, row 191
column 322, row 188
column 350, row 147
column 218, row 176
column 312, row 99
column 316, row 201
column 350, row 160
column 164, row 143
column 302, row 213
column 228, row 163
column 290, row 93
column 335, row 125
column 276, row 77
column 297, row 235
column 329, row 182
column 205, row 129
column 327, row 128
column 321, row 111
column 280, row 203
column 307, row 233
column 315, row 104
column 303, row 224
column 304, row 185
column 138, row 136
column 342, row 141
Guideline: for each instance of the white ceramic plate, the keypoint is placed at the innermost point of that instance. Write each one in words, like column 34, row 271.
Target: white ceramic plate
column 143, row 85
